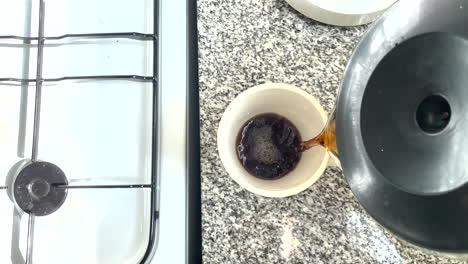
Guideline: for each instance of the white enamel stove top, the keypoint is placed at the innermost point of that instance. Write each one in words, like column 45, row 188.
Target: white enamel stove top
column 93, row 158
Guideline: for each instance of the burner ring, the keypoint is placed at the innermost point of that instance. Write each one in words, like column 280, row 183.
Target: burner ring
column 35, row 190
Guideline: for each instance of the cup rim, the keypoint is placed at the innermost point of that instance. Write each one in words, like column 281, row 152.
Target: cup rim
column 224, row 156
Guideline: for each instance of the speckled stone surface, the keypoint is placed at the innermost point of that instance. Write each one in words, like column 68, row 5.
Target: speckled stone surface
column 243, row 43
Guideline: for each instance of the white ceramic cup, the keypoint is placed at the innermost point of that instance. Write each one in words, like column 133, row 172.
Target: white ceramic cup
column 302, row 109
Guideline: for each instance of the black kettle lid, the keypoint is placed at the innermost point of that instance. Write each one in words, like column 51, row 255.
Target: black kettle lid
column 402, row 122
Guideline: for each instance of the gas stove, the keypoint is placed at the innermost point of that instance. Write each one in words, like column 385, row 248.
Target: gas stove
column 99, row 132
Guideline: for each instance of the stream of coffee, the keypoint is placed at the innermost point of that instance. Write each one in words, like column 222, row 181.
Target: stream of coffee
column 326, row 138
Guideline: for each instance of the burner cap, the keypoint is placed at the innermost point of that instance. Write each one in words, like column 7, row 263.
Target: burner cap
column 34, row 188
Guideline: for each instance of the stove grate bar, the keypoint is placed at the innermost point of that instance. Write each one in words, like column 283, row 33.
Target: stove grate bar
column 137, row 78
column 29, row 247
column 127, row 186
column 125, row 35
column 38, row 98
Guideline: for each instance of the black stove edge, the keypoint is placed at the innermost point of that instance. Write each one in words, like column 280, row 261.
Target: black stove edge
column 194, row 235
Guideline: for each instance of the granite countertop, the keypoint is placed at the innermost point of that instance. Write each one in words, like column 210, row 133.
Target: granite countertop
column 243, row 43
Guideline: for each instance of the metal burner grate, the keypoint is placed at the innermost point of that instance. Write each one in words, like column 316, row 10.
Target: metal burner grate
column 41, row 40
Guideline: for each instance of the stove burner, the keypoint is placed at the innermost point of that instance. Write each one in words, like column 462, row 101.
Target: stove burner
column 35, row 190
